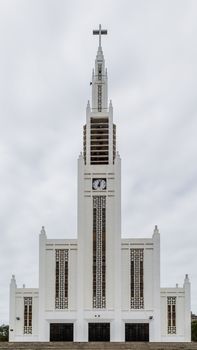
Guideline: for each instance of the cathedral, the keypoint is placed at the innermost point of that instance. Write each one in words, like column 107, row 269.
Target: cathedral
column 100, row 286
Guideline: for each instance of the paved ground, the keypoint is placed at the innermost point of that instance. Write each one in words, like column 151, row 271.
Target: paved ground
column 98, row 346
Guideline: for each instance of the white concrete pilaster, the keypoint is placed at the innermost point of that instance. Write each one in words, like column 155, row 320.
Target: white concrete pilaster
column 43, row 331
column 80, row 336
column 156, row 322
column 116, row 326
column 12, row 311
column 187, row 322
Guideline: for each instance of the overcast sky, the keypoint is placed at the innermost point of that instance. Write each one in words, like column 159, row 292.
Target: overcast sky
column 47, row 53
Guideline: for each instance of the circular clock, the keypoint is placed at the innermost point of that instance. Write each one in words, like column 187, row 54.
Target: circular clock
column 99, row 184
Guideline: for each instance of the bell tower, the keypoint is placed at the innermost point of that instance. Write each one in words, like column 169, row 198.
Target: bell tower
column 99, row 203
column 99, row 132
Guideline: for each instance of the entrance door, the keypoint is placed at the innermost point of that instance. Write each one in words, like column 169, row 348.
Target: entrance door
column 99, row 332
column 61, row 331
column 136, row 331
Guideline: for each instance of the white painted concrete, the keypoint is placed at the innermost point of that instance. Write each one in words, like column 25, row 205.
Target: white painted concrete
column 80, row 277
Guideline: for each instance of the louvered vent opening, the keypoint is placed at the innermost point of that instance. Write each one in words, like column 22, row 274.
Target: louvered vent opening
column 99, row 141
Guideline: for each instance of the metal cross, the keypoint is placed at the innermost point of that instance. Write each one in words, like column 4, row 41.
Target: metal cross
column 99, row 32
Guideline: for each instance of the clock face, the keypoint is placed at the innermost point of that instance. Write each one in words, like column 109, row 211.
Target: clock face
column 99, row 184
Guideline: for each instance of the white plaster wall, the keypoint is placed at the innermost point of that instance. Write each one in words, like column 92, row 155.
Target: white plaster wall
column 72, row 286
column 88, row 244
column 151, row 284
column 125, row 278
column 86, row 210
column 156, row 330
column 85, row 244
column 12, row 309
column 180, row 335
column 50, row 247
column 79, row 327
column 148, row 278
column 147, row 245
column 111, row 316
column 110, row 254
column 50, row 278
column 18, row 325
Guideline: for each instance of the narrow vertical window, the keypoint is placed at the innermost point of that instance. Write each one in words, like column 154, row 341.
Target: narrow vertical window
column 61, row 279
column 84, row 143
column 99, row 98
column 114, row 142
column 100, row 88
column 171, row 312
column 99, row 268
column 137, row 278
column 28, row 315
column 99, row 71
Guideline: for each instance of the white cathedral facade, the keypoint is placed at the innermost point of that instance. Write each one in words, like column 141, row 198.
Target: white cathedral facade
column 100, row 287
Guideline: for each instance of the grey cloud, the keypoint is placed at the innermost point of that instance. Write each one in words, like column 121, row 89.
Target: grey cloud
column 47, row 54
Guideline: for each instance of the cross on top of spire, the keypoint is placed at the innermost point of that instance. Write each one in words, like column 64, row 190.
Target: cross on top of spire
column 99, row 32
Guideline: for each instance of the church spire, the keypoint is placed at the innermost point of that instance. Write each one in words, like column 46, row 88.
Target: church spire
column 99, row 136
column 99, row 78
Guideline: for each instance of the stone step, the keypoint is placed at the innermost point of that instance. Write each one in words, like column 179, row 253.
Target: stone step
column 97, row 346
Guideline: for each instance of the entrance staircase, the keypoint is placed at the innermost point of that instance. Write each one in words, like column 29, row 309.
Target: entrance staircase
column 98, row 346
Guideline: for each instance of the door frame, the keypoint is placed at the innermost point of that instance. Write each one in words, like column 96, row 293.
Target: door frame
column 136, row 322
column 99, row 323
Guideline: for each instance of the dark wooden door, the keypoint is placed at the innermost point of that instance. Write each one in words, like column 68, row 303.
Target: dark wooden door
column 61, row 332
column 137, row 332
column 99, row 332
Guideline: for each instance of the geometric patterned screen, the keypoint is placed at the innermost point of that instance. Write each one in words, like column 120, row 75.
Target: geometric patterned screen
column 100, row 88
column 28, row 315
column 171, row 310
column 137, row 278
column 61, row 280
column 99, row 268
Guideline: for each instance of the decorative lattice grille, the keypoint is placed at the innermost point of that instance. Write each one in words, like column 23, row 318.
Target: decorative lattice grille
column 171, row 310
column 137, row 278
column 28, row 315
column 99, row 88
column 99, row 268
column 61, row 283
column 99, row 71
column 100, row 98
column 84, row 143
column 114, row 142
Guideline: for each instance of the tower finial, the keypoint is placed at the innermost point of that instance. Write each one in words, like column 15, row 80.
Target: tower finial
column 100, row 32
column 156, row 230
column 43, row 231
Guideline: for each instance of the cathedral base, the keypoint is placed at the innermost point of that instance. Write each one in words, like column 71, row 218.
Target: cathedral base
column 97, row 345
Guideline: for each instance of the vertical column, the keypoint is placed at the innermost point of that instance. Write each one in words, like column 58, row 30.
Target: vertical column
column 12, row 313
column 155, row 324
column 80, row 330
column 110, row 133
column 99, row 254
column 105, row 89
column 117, row 329
column 88, row 113
column 187, row 309
column 43, row 325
